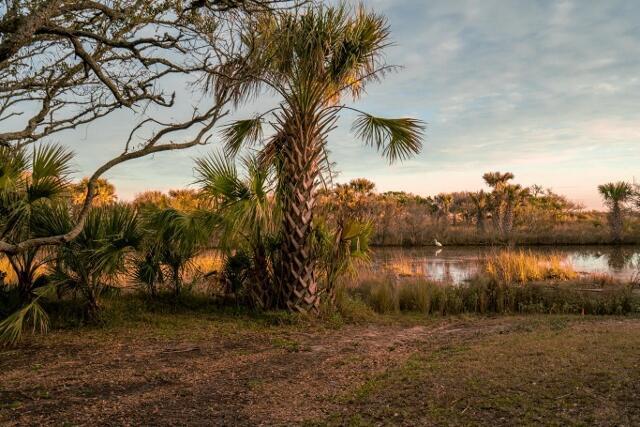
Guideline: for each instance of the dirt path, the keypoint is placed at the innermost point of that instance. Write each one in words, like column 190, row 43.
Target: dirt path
column 259, row 378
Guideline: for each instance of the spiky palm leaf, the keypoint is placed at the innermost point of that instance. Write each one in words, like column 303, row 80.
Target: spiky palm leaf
column 396, row 139
column 237, row 134
column 616, row 192
column 90, row 262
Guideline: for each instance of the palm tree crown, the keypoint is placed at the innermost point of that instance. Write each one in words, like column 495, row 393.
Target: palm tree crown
column 615, row 195
column 616, row 192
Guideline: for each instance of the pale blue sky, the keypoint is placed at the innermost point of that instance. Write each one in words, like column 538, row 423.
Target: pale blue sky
column 549, row 90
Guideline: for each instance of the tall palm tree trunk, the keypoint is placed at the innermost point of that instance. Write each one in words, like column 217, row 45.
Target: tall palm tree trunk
column 299, row 177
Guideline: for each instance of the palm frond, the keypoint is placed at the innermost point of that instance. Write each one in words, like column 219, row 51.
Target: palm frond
column 13, row 166
column 397, row 139
column 13, row 327
column 616, row 191
column 241, row 132
column 51, row 161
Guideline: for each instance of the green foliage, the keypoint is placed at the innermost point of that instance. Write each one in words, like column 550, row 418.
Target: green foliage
column 172, row 239
column 241, row 132
column 397, row 139
column 616, row 192
column 13, row 326
column 248, row 220
column 34, row 189
column 89, row 263
column 31, row 315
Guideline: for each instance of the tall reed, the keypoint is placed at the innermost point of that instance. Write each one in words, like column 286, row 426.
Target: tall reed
column 523, row 266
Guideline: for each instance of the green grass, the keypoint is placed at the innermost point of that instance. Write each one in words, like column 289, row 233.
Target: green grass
column 551, row 371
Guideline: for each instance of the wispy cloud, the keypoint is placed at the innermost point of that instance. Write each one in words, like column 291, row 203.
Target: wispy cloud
column 547, row 89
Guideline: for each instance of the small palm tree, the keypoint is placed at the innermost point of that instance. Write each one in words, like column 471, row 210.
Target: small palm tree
column 444, row 202
column 615, row 195
column 247, row 219
column 480, row 202
column 173, row 238
column 33, row 188
column 92, row 261
column 313, row 59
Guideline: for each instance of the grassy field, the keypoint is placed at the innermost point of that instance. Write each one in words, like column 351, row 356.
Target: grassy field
column 198, row 366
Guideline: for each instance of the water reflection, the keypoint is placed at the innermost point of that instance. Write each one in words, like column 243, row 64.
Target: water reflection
column 455, row 264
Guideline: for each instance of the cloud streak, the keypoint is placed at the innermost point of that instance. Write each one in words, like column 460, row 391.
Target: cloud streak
column 547, row 89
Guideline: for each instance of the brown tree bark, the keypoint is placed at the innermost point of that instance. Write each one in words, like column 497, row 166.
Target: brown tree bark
column 300, row 172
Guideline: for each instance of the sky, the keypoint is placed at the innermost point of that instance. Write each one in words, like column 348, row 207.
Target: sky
column 548, row 90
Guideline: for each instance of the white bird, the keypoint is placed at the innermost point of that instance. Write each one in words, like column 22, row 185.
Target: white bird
column 438, row 244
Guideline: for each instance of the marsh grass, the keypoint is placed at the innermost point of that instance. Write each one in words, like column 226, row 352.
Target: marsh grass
column 484, row 296
column 508, row 282
column 508, row 267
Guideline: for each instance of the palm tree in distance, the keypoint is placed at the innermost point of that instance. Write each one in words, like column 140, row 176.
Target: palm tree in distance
column 312, row 60
column 497, row 181
column 615, row 195
column 444, row 202
column 480, row 202
column 514, row 195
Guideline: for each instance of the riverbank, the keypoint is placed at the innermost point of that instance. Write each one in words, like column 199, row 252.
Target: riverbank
column 585, row 233
column 196, row 367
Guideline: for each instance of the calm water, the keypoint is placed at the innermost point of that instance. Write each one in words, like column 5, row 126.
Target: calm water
column 455, row 264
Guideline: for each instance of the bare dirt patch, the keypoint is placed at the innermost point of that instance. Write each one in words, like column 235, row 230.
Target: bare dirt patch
column 265, row 376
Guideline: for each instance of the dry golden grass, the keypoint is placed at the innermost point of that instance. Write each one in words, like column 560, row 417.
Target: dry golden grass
column 524, row 266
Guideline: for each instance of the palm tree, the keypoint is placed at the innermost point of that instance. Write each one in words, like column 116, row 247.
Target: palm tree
column 89, row 263
column 497, row 181
column 616, row 194
column 480, row 202
column 514, row 195
column 248, row 220
column 312, row 59
column 172, row 239
column 444, row 202
column 33, row 188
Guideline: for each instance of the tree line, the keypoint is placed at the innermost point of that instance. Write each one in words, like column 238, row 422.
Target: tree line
column 507, row 214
